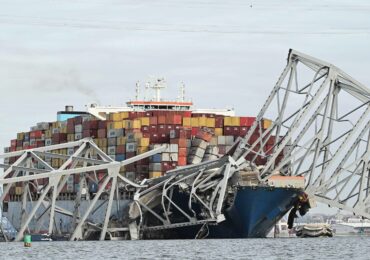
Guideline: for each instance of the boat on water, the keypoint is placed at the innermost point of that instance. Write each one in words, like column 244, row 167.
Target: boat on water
column 251, row 207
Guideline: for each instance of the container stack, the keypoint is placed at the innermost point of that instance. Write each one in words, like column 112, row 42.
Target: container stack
column 192, row 138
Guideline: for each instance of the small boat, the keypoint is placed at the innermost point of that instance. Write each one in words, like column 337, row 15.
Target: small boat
column 41, row 237
column 314, row 230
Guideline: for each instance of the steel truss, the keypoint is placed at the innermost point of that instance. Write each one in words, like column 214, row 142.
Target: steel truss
column 206, row 184
column 320, row 117
column 85, row 159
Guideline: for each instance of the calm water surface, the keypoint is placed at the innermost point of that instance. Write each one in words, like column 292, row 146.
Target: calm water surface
column 284, row 248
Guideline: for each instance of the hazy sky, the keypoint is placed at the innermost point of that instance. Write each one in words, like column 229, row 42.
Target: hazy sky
column 228, row 53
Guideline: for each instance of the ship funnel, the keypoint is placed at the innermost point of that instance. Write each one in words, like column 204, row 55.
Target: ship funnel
column 68, row 108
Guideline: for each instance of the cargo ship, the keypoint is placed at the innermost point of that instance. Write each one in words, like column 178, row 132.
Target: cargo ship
column 194, row 136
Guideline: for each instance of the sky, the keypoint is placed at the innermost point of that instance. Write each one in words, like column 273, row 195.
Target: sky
column 227, row 53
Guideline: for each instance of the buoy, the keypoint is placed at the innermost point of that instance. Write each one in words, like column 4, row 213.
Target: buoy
column 27, row 240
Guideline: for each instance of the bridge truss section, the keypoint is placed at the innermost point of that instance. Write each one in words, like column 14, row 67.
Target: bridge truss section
column 320, row 129
column 31, row 166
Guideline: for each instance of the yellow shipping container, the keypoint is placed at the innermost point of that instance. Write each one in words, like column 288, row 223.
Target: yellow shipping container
column 202, row 121
column 63, row 130
column 235, row 121
column 70, row 137
column 211, row 122
column 136, row 124
column 143, row 142
column 154, row 174
column 194, row 122
column 137, row 136
column 48, row 134
column 228, row 121
column 115, row 117
column 123, row 115
column 142, row 149
column 115, row 125
column 18, row 190
column 186, row 121
column 104, row 142
column 128, row 124
column 218, row 131
column 144, row 121
column 55, row 162
column 266, row 123
column 20, row 136
column 121, row 140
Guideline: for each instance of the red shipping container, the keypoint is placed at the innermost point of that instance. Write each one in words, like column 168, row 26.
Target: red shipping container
column 36, row 134
column 187, row 114
column 228, row 130
column 170, row 127
column 235, row 130
column 219, row 122
column 90, row 133
column 13, row 143
column 163, row 138
column 145, row 129
column 154, row 138
column 194, row 131
column 153, row 129
column 130, row 155
column 90, row 125
column 243, row 131
column 247, row 121
column 182, row 152
column 70, row 125
column 102, row 133
column 121, row 149
column 161, row 120
column 78, row 120
column 70, row 129
column 181, row 142
column 59, row 138
column 271, row 140
column 153, row 120
column 103, row 124
column 206, row 136
column 162, row 129
column 146, row 135
column 40, row 143
column 181, row 161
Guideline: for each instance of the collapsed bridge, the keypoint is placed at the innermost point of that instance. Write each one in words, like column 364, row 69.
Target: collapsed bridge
column 320, row 121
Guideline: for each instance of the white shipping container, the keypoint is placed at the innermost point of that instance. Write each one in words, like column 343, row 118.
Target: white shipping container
column 111, row 150
column 221, row 140
column 155, row 167
column 48, row 141
column 55, row 131
column 70, row 151
column 6, row 149
column 112, row 156
column 165, row 157
column 174, row 157
column 131, row 147
column 199, row 152
column 196, row 142
column 78, row 128
column 194, row 159
column 78, row 136
column 229, row 140
column 174, row 148
column 213, row 141
column 212, row 150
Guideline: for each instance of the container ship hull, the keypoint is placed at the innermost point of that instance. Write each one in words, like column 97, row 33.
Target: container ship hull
column 253, row 214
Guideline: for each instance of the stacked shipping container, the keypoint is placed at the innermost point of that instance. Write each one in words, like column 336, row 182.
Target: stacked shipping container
column 193, row 138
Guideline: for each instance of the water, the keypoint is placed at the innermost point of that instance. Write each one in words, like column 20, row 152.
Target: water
column 283, row 248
